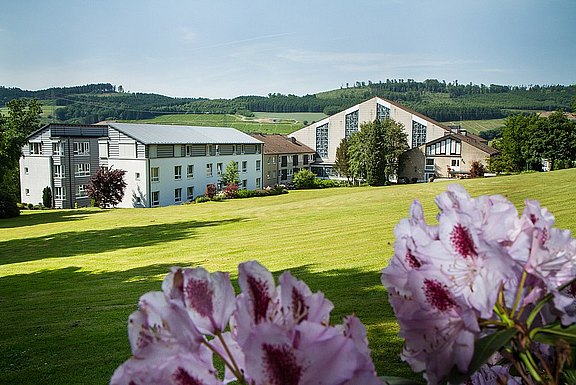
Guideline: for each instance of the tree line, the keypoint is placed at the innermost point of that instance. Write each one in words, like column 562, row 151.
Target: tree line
column 530, row 140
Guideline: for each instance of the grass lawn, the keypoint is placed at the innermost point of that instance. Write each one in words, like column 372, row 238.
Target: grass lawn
column 70, row 278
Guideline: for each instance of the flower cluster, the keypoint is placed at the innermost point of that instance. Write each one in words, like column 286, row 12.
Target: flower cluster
column 266, row 335
column 484, row 273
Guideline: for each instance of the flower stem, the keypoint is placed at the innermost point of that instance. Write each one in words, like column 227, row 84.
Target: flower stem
column 519, row 293
column 530, row 365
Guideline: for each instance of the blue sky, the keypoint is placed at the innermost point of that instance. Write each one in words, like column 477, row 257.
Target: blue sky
column 227, row 48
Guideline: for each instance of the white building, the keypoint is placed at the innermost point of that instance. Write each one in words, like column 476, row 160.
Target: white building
column 164, row 164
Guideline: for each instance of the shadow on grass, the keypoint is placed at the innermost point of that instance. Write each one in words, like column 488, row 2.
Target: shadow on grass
column 46, row 216
column 73, row 243
column 70, row 326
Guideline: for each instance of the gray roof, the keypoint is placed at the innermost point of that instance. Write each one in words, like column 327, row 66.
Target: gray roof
column 172, row 134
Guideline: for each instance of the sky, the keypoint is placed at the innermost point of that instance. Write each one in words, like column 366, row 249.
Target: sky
column 228, row 48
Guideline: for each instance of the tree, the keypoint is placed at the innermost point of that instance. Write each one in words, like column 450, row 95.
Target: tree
column 554, row 139
column 231, row 175
column 22, row 119
column 342, row 162
column 396, row 142
column 304, row 179
column 47, row 197
column 106, row 187
column 516, row 152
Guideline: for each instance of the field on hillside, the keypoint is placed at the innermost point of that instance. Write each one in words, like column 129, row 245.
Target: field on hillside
column 476, row 126
column 70, row 278
column 284, row 126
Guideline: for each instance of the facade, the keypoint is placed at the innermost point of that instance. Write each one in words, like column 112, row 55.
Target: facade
column 283, row 157
column 325, row 136
column 164, row 164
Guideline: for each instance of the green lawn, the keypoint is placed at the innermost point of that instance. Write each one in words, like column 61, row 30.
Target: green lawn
column 477, row 126
column 70, row 278
column 226, row 120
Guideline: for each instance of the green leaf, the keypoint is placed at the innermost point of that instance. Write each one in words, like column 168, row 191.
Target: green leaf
column 484, row 348
column 399, row 380
column 549, row 334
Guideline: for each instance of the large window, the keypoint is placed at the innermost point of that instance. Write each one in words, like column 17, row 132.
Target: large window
column 155, row 198
column 177, row 172
column 177, row 195
column 58, row 171
column 190, row 171
column 429, row 164
column 382, row 112
column 82, row 169
column 57, row 149
column 351, row 123
column 35, row 148
column 322, row 140
column 418, row 134
column 155, row 174
column 59, row 193
column 81, row 148
column 82, row 191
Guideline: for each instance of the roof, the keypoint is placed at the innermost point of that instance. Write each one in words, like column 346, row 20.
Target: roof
column 470, row 140
column 73, row 130
column 174, row 134
column 280, row 144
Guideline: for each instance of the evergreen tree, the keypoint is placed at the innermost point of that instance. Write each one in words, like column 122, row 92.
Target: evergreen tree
column 342, row 162
column 231, row 175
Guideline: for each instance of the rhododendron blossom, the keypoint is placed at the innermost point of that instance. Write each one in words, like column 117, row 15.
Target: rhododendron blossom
column 277, row 334
column 480, row 270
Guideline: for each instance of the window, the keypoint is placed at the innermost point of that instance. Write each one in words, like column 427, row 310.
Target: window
column 418, row 134
column 26, row 171
column 208, row 170
column 177, row 172
column 58, row 171
column 82, row 169
column 190, row 171
column 295, row 160
column 190, row 193
column 351, row 123
column 36, row 148
column 82, row 191
column 27, row 192
column 81, row 148
column 177, row 195
column 258, row 162
column 155, row 198
column 258, row 182
column 244, row 184
column 283, row 161
column 155, row 174
column 455, row 163
column 59, row 193
column 322, row 140
column 137, row 176
column 305, row 160
column 268, row 175
column 382, row 112
column 219, row 169
column 244, row 166
column 57, row 149
column 429, row 164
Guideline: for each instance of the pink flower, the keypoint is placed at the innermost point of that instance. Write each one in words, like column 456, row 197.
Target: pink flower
column 299, row 304
column 208, row 298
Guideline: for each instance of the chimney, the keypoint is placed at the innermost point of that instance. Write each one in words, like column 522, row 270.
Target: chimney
column 293, row 139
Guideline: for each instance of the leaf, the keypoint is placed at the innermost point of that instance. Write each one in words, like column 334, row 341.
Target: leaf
column 549, row 334
column 484, row 348
column 391, row 380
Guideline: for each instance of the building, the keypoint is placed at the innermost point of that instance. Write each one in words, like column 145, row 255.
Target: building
column 325, row 136
column 283, row 157
column 164, row 164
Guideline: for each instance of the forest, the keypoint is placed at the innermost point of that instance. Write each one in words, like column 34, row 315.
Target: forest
column 439, row 100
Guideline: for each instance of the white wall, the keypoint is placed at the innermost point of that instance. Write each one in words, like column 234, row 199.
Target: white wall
column 38, row 177
column 135, row 188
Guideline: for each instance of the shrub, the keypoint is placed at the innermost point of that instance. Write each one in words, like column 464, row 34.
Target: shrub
column 477, row 169
column 210, row 190
column 231, row 191
column 202, row 199
column 47, row 197
column 30, row 206
column 304, row 179
column 107, row 187
column 8, row 206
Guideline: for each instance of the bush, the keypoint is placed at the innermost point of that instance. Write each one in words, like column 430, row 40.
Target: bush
column 8, row 205
column 211, row 190
column 248, row 193
column 230, row 191
column 477, row 169
column 304, row 179
column 202, row 199
column 30, row 206
column 47, row 197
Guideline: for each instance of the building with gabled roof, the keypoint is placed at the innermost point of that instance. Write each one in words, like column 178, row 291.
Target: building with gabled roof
column 283, row 157
column 164, row 164
column 423, row 133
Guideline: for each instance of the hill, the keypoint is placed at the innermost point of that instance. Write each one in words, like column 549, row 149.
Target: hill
column 439, row 100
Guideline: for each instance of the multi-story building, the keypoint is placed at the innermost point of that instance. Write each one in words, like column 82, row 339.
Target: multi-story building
column 325, row 136
column 283, row 157
column 164, row 164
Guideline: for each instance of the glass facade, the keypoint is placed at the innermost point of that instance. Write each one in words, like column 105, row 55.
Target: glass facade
column 418, row 134
column 351, row 123
column 382, row 112
column 322, row 140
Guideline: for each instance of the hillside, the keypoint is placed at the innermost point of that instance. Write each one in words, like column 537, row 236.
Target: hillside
column 439, row 100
